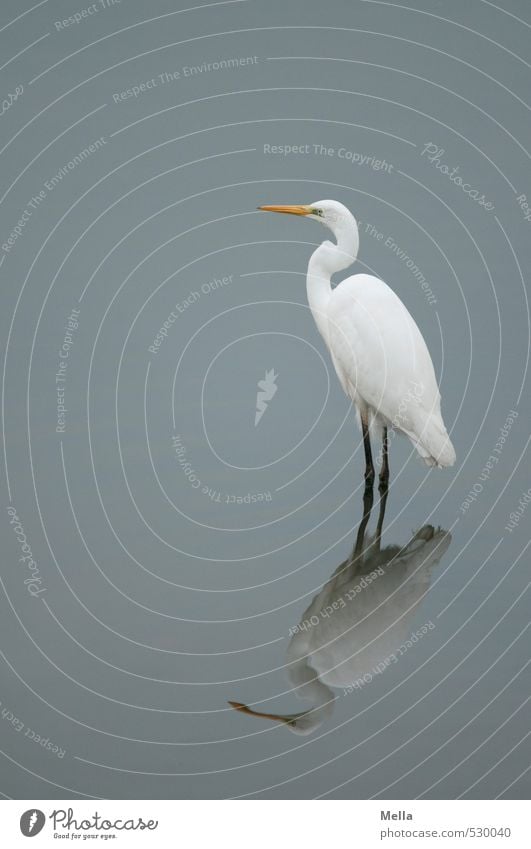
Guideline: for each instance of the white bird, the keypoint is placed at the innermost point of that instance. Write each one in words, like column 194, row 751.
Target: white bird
column 359, row 624
column 378, row 352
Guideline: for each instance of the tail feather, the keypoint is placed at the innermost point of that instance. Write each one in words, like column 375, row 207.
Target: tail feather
column 433, row 443
column 429, row 436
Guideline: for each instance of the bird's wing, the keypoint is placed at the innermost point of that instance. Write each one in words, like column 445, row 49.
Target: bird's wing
column 379, row 351
column 341, row 373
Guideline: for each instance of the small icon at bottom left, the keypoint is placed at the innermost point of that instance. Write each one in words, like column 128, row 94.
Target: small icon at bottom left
column 32, row 822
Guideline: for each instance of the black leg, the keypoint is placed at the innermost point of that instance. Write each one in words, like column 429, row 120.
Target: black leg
column 369, row 467
column 384, row 492
column 368, row 498
column 384, row 473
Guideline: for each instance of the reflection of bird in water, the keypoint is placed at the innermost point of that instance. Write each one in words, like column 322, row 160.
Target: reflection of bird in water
column 357, row 625
column 378, row 352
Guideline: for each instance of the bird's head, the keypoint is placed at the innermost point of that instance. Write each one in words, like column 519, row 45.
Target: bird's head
column 339, row 220
column 331, row 213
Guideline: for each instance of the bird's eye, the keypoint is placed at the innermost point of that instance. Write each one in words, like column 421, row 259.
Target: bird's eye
column 318, row 212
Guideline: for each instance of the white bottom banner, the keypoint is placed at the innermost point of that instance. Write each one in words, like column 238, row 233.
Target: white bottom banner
column 271, row 824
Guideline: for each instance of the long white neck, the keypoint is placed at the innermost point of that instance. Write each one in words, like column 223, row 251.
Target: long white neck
column 309, row 687
column 325, row 261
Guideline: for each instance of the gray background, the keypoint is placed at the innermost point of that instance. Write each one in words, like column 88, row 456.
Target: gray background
column 161, row 603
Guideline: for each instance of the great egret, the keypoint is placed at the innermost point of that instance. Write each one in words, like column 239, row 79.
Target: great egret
column 353, row 631
column 378, row 352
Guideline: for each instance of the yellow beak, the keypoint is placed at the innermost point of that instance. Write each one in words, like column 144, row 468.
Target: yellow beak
column 301, row 209
column 276, row 717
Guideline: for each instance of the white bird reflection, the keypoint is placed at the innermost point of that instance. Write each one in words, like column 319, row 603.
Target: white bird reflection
column 359, row 624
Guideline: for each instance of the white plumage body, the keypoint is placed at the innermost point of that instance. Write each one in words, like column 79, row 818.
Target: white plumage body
column 384, row 365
